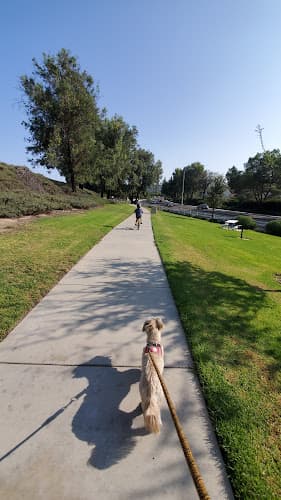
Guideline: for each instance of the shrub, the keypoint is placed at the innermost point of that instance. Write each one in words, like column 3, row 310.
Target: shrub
column 246, row 222
column 274, row 227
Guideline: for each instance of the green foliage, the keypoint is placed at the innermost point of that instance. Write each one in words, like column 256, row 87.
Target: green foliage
column 274, row 227
column 269, row 206
column 68, row 131
column 234, row 179
column 173, row 187
column 263, row 174
column 120, row 167
column 261, row 178
column 62, row 115
column 215, row 192
column 113, row 158
column 246, row 222
column 17, row 204
column 193, row 180
column 144, row 173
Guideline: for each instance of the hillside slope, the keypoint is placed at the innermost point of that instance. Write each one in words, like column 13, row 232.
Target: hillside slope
column 24, row 193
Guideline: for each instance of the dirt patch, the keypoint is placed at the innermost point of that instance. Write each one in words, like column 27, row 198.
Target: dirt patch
column 278, row 277
column 8, row 225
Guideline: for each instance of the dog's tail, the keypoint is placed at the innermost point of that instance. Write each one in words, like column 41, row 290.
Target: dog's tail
column 152, row 418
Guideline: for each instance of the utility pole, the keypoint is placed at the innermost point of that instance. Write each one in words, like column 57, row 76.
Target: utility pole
column 182, row 191
column 259, row 130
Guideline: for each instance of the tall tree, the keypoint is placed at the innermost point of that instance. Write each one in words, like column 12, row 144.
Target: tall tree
column 260, row 179
column 144, row 173
column 216, row 191
column 196, row 181
column 204, row 183
column 263, row 174
column 149, row 171
column 235, row 180
column 60, row 102
column 113, row 155
column 193, row 177
column 175, row 185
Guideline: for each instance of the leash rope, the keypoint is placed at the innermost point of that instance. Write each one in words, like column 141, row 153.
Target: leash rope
column 195, row 473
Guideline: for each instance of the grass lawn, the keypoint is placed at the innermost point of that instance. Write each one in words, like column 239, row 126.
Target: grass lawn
column 35, row 257
column 228, row 294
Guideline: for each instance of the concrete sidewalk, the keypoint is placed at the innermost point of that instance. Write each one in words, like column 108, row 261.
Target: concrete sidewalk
column 70, row 424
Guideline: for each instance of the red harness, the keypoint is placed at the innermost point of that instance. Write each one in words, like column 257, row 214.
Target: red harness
column 156, row 348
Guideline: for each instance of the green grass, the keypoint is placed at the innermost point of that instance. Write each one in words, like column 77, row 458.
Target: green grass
column 229, row 299
column 34, row 258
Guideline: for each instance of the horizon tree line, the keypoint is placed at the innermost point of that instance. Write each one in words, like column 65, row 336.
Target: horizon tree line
column 259, row 181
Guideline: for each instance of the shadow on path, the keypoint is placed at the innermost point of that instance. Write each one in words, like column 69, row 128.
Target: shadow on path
column 99, row 420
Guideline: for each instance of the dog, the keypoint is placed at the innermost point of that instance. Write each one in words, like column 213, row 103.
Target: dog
column 150, row 388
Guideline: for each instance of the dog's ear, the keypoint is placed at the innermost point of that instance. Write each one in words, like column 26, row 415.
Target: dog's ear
column 159, row 323
column 145, row 325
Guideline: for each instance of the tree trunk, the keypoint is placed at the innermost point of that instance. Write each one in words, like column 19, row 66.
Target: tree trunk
column 73, row 182
column 102, row 186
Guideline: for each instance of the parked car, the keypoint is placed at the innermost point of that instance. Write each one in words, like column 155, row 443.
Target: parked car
column 203, row 206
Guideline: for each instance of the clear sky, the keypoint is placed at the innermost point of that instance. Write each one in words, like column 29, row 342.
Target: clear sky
column 194, row 76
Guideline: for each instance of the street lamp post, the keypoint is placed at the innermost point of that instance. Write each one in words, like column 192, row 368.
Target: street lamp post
column 182, row 191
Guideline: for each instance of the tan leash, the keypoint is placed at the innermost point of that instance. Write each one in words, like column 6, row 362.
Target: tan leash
column 196, row 476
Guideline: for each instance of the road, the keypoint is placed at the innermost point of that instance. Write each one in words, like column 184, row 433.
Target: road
column 219, row 214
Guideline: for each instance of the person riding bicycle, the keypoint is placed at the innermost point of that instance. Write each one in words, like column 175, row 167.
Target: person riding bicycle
column 138, row 213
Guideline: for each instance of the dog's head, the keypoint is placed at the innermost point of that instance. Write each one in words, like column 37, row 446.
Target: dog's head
column 152, row 328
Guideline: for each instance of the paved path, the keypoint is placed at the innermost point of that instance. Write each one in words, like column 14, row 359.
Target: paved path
column 70, row 422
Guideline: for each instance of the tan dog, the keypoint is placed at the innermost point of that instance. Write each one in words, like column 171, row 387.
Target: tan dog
column 150, row 388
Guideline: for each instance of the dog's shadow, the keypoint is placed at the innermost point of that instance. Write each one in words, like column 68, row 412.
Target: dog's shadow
column 99, row 420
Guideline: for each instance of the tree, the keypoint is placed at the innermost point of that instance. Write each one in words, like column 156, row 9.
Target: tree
column 149, row 171
column 235, row 180
column 144, row 173
column 60, row 102
column 193, row 178
column 263, row 174
column 120, row 167
column 260, row 179
column 205, row 181
column 173, row 186
column 196, row 181
column 215, row 192
column 165, row 187
column 113, row 156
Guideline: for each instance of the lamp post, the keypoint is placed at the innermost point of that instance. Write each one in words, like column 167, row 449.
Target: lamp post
column 182, row 191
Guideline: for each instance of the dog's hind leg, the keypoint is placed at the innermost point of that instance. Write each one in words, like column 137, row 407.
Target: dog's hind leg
column 152, row 416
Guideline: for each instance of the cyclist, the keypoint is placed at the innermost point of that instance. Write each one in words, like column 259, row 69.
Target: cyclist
column 138, row 213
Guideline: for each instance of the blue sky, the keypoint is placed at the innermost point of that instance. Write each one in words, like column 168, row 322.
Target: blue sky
column 194, row 76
